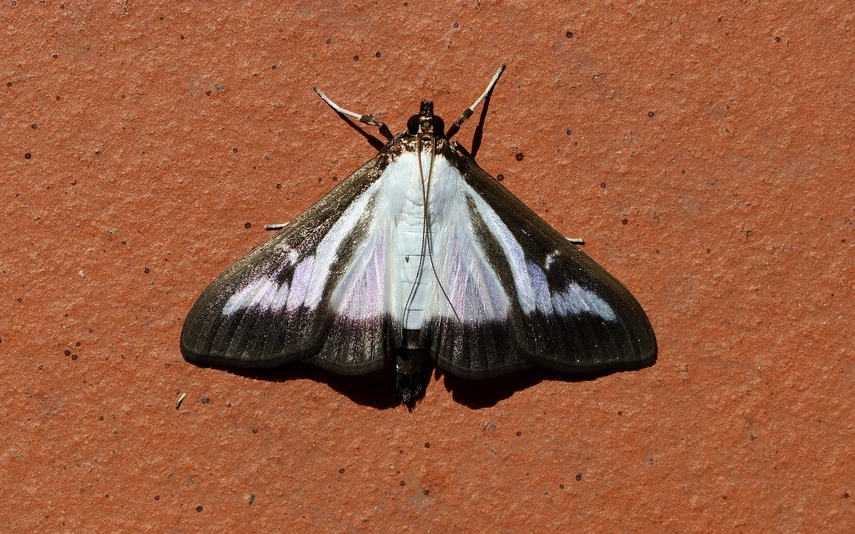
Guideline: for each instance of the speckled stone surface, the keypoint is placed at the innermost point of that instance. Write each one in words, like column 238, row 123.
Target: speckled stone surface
column 704, row 153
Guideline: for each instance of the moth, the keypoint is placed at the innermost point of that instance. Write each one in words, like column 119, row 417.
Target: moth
column 419, row 259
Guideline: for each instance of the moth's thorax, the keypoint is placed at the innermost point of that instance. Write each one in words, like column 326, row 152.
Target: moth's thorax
column 420, row 143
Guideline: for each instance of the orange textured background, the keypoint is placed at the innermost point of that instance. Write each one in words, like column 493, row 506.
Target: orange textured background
column 704, row 153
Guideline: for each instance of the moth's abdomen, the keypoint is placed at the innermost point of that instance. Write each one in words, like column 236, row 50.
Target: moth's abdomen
column 412, row 369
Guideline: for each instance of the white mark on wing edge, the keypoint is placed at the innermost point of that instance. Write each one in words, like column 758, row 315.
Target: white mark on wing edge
column 576, row 300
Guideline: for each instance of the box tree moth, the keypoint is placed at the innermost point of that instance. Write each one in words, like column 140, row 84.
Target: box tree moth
column 419, row 258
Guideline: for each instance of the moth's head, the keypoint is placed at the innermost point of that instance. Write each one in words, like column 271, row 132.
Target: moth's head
column 426, row 124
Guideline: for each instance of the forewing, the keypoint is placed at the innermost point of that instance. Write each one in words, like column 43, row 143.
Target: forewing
column 307, row 293
column 561, row 309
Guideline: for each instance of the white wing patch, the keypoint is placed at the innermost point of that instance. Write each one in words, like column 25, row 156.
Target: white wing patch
column 300, row 283
column 576, row 300
column 540, row 286
column 550, row 259
column 360, row 291
column 291, row 255
column 262, row 293
column 571, row 300
column 388, row 274
column 532, row 287
column 470, row 291
column 328, row 247
column 311, row 273
column 510, row 246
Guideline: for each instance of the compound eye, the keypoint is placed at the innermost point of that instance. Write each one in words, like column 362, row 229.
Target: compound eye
column 413, row 125
column 438, row 126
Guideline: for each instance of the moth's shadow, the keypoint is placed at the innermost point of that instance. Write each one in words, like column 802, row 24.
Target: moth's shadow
column 478, row 394
column 376, row 143
column 376, row 389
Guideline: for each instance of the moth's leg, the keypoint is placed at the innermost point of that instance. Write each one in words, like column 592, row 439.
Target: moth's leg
column 365, row 119
column 573, row 240
column 471, row 109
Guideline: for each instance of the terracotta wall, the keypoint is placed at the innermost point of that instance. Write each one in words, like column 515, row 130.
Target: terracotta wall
column 703, row 150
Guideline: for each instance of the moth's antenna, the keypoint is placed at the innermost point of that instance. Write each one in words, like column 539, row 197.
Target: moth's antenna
column 365, row 119
column 471, row 109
